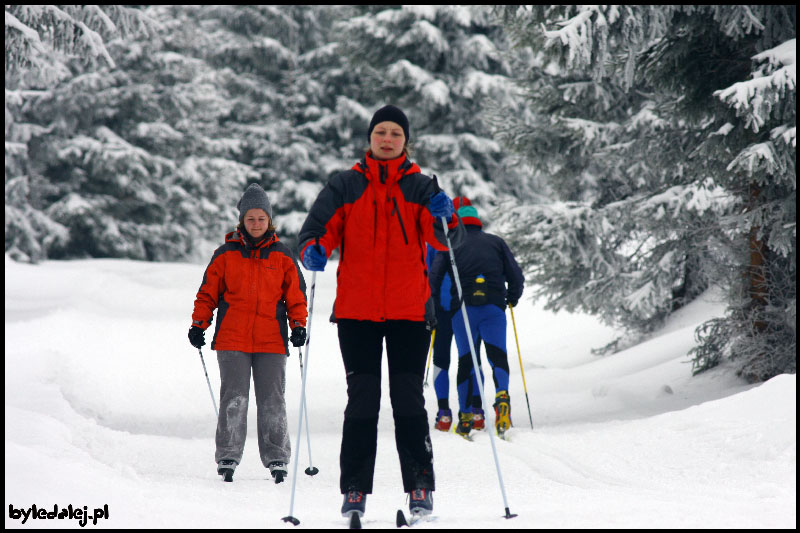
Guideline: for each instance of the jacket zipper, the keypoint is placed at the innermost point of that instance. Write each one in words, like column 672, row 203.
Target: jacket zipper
column 254, row 291
column 374, row 222
column 400, row 219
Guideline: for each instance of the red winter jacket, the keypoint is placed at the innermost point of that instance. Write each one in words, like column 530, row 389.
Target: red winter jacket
column 377, row 214
column 255, row 289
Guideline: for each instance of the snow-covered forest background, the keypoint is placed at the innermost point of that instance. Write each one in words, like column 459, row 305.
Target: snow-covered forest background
column 633, row 157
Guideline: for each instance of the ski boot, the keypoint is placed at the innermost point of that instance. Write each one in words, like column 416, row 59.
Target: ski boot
column 420, row 502
column 502, row 411
column 225, row 469
column 278, row 471
column 444, row 419
column 478, row 419
column 355, row 502
column 464, row 425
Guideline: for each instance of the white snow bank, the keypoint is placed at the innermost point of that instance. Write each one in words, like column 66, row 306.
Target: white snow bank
column 107, row 404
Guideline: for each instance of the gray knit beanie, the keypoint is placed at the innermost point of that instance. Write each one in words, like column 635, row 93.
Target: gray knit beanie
column 254, row 198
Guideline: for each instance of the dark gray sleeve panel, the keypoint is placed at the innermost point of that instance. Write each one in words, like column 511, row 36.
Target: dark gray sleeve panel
column 343, row 188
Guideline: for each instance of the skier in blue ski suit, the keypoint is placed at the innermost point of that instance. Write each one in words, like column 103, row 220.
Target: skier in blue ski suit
column 485, row 265
column 442, row 339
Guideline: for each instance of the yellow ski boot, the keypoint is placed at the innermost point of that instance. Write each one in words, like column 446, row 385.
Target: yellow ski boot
column 464, row 425
column 502, row 411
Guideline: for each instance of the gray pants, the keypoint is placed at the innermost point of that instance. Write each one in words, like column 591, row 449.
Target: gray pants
column 269, row 379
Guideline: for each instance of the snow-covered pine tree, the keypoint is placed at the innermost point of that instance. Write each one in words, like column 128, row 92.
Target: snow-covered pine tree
column 224, row 95
column 228, row 106
column 628, row 116
column 620, row 240
column 274, row 65
column 45, row 46
column 439, row 64
column 35, row 31
column 110, row 190
column 760, row 329
column 149, row 158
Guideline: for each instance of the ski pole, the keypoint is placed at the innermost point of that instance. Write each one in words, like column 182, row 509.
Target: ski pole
column 291, row 518
column 433, row 338
column 522, row 370
column 210, row 390
column 311, row 470
column 472, row 351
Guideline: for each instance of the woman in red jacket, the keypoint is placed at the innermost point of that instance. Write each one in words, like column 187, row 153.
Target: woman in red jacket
column 257, row 285
column 380, row 214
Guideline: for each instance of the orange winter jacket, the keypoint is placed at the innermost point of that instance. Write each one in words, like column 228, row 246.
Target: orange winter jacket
column 256, row 290
column 377, row 215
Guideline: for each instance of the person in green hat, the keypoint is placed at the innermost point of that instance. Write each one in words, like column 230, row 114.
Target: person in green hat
column 485, row 266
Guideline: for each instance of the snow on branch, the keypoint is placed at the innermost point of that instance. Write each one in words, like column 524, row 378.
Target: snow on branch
column 755, row 99
column 576, row 35
column 590, row 130
column 697, row 198
column 404, row 72
column 29, row 34
column 94, row 43
column 789, row 135
column 759, row 158
column 477, row 83
column 424, row 31
column 94, row 12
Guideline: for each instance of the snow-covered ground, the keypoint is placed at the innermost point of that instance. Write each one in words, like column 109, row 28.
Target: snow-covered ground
column 106, row 404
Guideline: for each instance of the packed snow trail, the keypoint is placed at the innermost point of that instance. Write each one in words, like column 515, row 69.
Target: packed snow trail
column 107, row 404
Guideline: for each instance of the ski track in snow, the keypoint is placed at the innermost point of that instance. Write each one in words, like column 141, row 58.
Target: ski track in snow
column 106, row 403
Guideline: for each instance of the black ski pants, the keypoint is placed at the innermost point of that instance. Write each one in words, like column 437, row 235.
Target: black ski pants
column 407, row 344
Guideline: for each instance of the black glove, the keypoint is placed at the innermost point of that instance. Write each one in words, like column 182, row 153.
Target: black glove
column 511, row 303
column 197, row 336
column 298, row 337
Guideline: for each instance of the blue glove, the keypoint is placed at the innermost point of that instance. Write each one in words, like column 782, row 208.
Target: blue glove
column 314, row 258
column 441, row 205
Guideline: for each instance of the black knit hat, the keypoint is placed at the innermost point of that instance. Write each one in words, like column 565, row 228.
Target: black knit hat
column 392, row 114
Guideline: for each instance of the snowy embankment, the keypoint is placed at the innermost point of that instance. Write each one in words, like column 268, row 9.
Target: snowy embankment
column 106, row 404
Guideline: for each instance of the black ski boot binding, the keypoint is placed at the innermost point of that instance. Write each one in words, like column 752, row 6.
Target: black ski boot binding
column 420, row 502
column 278, row 471
column 225, row 469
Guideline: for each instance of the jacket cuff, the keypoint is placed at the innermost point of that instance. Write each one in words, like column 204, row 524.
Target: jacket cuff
column 453, row 221
column 311, row 242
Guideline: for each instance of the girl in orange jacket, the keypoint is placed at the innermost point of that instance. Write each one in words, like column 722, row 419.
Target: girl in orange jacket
column 256, row 285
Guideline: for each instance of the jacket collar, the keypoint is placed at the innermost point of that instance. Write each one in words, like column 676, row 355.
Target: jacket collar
column 386, row 171
column 236, row 236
